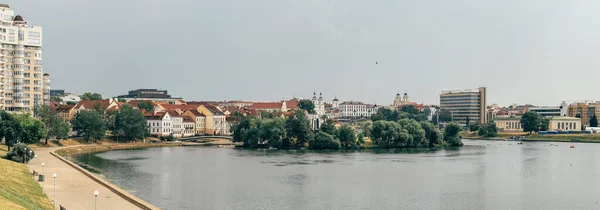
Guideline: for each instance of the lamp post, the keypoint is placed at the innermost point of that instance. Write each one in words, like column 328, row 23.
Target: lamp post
column 95, row 198
column 29, row 156
column 54, row 175
column 43, row 190
column 25, row 158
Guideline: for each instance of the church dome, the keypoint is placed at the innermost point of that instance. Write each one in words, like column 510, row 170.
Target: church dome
column 19, row 18
column 405, row 93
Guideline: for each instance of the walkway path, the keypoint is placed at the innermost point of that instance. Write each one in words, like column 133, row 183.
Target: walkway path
column 74, row 190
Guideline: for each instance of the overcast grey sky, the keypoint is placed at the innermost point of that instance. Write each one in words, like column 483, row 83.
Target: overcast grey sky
column 537, row 51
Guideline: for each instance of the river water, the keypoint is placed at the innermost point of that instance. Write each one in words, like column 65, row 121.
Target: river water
column 480, row 175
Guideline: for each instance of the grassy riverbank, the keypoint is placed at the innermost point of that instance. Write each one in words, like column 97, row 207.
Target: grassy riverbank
column 18, row 189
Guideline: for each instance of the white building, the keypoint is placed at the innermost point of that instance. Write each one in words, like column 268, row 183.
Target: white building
column 547, row 111
column 188, row 126
column 319, row 104
column 177, row 121
column 23, row 82
column 70, row 97
column 160, row 124
column 356, row 109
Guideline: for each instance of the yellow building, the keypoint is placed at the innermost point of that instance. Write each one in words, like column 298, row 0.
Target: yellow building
column 199, row 118
column 66, row 112
column 565, row 124
column 215, row 119
column 508, row 124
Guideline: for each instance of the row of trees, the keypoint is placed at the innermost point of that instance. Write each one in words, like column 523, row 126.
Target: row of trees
column 127, row 123
column 15, row 128
column 412, row 134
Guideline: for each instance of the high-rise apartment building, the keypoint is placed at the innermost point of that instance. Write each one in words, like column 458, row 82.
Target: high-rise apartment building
column 24, row 84
column 463, row 104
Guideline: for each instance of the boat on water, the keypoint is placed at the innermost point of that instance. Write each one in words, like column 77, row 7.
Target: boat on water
column 572, row 146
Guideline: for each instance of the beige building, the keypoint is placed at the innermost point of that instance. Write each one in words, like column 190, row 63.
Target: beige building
column 463, row 104
column 565, row 124
column 508, row 123
column 24, row 84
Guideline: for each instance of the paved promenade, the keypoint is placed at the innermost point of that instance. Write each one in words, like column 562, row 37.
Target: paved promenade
column 74, row 190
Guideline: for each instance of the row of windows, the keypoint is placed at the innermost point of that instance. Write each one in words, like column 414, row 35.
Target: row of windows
column 566, row 125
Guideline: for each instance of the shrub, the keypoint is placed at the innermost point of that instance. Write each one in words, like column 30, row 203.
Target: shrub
column 20, row 153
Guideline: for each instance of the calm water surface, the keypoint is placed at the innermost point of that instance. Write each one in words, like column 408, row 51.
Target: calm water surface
column 480, row 175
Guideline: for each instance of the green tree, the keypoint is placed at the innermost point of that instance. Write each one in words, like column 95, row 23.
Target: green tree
column 71, row 103
column 473, row 127
column 530, row 122
column 377, row 117
column 365, row 128
column 272, row 131
column 415, row 135
column 545, row 124
column 593, row 121
column 32, row 130
column 146, row 105
column 346, row 136
column 20, row 153
column 451, row 134
column 56, row 98
column 122, row 100
column 130, row 124
column 432, row 134
column 328, row 127
column 10, row 128
column 410, row 109
column 247, row 131
column 468, row 121
column 385, row 133
column 488, row 130
column 360, row 140
column 91, row 96
column 307, row 105
column 445, row 116
column 90, row 125
column 55, row 126
column 323, row 141
column 266, row 115
column 298, row 127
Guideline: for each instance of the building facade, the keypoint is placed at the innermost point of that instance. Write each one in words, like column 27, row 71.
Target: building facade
column 24, row 84
column 547, row 111
column 319, row 104
column 565, row 124
column 585, row 111
column 469, row 103
column 356, row 109
column 508, row 123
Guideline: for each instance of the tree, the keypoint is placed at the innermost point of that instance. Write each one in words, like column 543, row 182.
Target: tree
column 415, row 135
column 323, row 141
column 56, row 98
column 91, row 96
column 346, row 136
column 360, row 140
column 451, row 134
column 328, row 127
column 545, row 124
column 20, row 153
column 272, row 131
column 297, row 126
column 468, row 121
column 32, row 130
column 10, row 128
column 488, row 130
column 445, row 116
column 410, row 109
column 146, row 105
column 473, row 127
column 377, row 117
column 530, row 122
column 55, row 126
column 266, row 115
column 431, row 133
column 122, row 100
column 130, row 123
column 385, row 133
column 90, row 125
column 307, row 105
column 71, row 103
column 365, row 128
column 593, row 121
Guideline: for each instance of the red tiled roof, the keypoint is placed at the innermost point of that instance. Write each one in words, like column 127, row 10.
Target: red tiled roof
column 173, row 113
column 292, row 104
column 134, row 103
column 181, row 107
column 53, row 104
column 267, row 105
column 63, row 108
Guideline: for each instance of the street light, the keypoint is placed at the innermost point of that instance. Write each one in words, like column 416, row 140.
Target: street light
column 43, row 190
column 54, row 175
column 29, row 156
column 95, row 198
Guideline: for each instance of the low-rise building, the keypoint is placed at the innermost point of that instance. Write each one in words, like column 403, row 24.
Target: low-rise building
column 199, row 118
column 565, row 124
column 159, row 123
column 66, row 112
column 177, row 121
column 356, row 109
column 188, row 126
column 508, row 123
column 547, row 111
column 216, row 123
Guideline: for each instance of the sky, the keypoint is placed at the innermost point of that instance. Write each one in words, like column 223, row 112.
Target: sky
column 537, row 51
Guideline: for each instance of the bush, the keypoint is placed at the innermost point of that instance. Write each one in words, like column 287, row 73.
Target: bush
column 451, row 134
column 323, row 140
column 20, row 153
column 170, row 137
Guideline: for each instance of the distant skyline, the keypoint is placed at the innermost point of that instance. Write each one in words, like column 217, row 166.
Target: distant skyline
column 527, row 52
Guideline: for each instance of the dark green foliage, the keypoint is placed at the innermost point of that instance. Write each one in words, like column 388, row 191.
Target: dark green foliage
column 32, row 130
column 146, row 105
column 445, row 116
column 266, row 115
column 90, row 125
column 545, row 123
column 530, row 122
column 122, row 100
column 346, row 136
column 307, row 105
column 91, row 96
column 593, row 121
column 130, row 124
column 385, row 133
column 10, row 128
column 247, row 131
column 473, row 127
column 55, row 126
column 324, row 141
column 20, row 153
column 328, row 127
column 272, row 132
column 360, row 140
column 468, row 121
column 298, row 127
column 451, row 134
column 488, row 130
column 431, row 133
column 416, row 134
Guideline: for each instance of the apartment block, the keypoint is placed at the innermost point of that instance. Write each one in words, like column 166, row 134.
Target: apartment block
column 463, row 104
column 24, row 84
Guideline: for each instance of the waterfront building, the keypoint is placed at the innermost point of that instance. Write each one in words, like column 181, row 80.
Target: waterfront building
column 319, row 104
column 547, row 111
column 177, row 122
column 469, row 103
column 159, row 123
column 584, row 110
column 216, row 123
column 24, row 84
column 200, row 120
column 508, row 123
column 155, row 95
column 65, row 111
column 106, row 104
column 357, row 109
column 188, row 126
column 565, row 124
column 399, row 102
column 280, row 106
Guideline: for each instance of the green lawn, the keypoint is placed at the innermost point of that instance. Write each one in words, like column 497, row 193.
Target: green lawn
column 18, row 189
column 565, row 137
